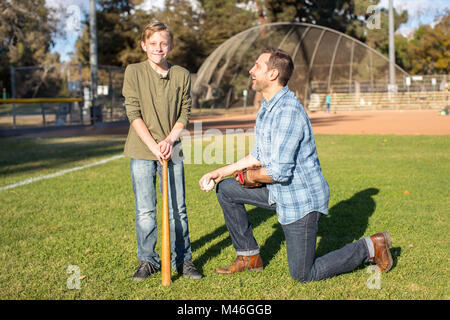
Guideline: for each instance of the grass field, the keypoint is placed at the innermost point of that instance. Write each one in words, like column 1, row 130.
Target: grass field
column 86, row 219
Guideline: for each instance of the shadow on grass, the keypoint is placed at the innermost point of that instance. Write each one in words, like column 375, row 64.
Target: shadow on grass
column 24, row 155
column 347, row 221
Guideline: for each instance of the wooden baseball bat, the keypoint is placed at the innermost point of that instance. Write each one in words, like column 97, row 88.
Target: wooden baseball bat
column 165, row 241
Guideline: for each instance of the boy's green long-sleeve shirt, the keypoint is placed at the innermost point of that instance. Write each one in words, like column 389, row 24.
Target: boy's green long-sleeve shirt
column 160, row 101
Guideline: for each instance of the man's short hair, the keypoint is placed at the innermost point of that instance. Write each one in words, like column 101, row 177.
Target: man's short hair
column 281, row 61
column 153, row 27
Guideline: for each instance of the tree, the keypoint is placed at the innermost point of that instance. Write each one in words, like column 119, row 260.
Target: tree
column 184, row 21
column 430, row 48
column 372, row 27
column 118, row 29
column 26, row 31
column 335, row 14
column 196, row 32
column 221, row 20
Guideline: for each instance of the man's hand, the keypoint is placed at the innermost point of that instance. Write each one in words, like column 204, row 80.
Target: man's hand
column 213, row 175
column 245, row 178
column 253, row 177
column 247, row 162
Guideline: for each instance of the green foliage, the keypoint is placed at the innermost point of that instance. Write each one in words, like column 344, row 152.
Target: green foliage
column 223, row 19
column 329, row 13
column 27, row 28
column 430, row 48
column 118, row 32
column 378, row 38
column 196, row 33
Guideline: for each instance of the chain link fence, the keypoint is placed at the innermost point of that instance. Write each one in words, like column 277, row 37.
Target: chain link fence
column 38, row 97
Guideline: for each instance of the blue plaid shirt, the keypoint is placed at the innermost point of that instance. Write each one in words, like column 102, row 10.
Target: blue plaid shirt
column 284, row 144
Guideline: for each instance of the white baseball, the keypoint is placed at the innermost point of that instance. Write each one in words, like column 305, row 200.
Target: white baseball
column 208, row 185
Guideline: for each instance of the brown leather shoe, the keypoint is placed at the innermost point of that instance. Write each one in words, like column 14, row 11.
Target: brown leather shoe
column 382, row 244
column 241, row 263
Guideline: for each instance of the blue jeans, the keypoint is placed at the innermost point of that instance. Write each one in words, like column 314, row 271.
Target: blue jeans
column 300, row 236
column 143, row 176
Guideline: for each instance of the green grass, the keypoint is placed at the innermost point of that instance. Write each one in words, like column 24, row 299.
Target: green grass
column 86, row 218
column 32, row 157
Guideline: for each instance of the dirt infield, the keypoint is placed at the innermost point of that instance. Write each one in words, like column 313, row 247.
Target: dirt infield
column 402, row 122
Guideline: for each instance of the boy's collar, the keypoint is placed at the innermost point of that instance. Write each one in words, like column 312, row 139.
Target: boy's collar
column 161, row 76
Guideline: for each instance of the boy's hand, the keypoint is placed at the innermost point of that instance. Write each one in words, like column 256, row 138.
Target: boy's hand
column 156, row 151
column 166, row 148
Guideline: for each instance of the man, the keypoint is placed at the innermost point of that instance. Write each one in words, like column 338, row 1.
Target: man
column 158, row 102
column 283, row 173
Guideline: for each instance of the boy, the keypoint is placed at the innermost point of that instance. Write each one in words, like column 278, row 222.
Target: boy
column 158, row 102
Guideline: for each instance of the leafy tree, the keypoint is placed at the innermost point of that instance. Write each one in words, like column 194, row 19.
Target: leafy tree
column 372, row 27
column 26, row 31
column 118, row 29
column 430, row 48
column 197, row 32
column 335, row 14
column 221, row 20
column 184, row 21
column 350, row 17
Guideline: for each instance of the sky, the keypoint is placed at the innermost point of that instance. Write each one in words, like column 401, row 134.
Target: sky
column 419, row 11
column 75, row 11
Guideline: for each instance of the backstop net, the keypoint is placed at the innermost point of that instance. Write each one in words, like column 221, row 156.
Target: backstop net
column 326, row 62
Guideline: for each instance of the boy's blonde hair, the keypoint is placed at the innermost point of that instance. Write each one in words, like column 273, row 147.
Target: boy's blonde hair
column 155, row 26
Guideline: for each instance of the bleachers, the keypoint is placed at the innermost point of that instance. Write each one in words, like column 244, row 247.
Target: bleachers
column 381, row 100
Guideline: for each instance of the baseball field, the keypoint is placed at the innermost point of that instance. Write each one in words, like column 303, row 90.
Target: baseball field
column 67, row 217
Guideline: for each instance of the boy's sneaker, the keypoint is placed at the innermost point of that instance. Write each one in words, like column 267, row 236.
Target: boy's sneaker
column 188, row 270
column 143, row 270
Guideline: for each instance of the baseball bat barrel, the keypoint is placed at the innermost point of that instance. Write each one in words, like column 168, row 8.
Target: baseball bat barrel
column 165, row 241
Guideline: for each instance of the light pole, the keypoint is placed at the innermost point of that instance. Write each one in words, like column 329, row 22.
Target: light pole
column 93, row 58
column 392, row 86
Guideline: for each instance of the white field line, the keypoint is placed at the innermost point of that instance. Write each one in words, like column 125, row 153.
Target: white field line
column 186, row 145
column 59, row 173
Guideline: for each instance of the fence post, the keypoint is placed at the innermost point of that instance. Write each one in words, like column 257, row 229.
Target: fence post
column 43, row 114
column 13, row 93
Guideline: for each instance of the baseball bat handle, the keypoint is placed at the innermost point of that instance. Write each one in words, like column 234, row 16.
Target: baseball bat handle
column 165, row 241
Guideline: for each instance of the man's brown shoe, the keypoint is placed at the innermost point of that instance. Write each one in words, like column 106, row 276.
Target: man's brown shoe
column 382, row 244
column 241, row 263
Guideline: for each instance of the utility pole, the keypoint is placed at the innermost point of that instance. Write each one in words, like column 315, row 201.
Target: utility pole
column 93, row 58
column 392, row 85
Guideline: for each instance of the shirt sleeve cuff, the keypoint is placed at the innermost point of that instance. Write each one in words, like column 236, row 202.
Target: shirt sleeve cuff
column 255, row 153
column 133, row 116
column 275, row 175
column 184, row 121
column 272, row 174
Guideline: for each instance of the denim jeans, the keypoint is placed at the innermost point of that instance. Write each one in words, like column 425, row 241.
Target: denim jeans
column 143, row 176
column 300, row 236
